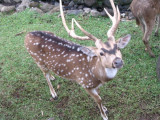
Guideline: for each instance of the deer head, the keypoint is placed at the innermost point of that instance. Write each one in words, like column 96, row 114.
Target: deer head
column 108, row 52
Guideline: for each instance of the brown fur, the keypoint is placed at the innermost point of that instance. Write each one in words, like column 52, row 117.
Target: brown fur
column 145, row 12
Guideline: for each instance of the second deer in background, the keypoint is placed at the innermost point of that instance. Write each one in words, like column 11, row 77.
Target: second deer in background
column 146, row 12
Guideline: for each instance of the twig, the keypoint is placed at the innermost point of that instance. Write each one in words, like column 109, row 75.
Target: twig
column 20, row 33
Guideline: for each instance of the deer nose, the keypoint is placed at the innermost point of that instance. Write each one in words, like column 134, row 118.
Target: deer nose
column 117, row 62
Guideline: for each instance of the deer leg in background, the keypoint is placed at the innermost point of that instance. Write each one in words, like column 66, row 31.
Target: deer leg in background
column 52, row 77
column 148, row 27
column 52, row 91
column 158, row 25
column 94, row 94
column 48, row 77
column 140, row 22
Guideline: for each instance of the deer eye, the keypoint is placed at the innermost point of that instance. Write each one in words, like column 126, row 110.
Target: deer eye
column 101, row 53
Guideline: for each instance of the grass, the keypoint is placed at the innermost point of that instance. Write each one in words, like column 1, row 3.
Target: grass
column 24, row 94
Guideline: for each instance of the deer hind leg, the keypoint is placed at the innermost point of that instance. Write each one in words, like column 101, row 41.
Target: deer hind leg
column 48, row 77
column 148, row 27
column 158, row 25
column 94, row 94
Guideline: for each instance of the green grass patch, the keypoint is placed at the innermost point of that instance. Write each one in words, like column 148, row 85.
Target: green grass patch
column 24, row 94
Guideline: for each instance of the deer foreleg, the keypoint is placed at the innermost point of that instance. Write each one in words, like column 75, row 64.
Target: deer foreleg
column 94, row 94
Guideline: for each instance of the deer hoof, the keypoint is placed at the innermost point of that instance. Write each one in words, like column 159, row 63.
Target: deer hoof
column 156, row 34
column 105, row 110
column 55, row 98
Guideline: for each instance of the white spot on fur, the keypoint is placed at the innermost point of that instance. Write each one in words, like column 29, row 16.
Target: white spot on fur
column 78, row 49
column 86, row 75
column 88, row 58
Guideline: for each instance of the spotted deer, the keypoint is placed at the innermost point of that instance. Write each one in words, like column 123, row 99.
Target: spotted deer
column 146, row 12
column 89, row 66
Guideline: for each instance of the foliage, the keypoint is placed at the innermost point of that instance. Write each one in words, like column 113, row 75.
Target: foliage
column 24, row 94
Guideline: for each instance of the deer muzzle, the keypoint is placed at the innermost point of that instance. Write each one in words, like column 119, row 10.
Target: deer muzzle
column 117, row 63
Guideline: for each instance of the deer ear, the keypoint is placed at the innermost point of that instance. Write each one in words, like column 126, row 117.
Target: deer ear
column 122, row 42
column 87, row 51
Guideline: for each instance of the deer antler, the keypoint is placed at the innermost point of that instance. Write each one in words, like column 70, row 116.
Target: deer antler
column 115, row 20
column 72, row 32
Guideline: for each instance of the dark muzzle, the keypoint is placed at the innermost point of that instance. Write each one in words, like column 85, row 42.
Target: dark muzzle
column 117, row 63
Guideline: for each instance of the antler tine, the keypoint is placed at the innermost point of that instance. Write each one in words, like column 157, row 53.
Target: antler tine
column 63, row 19
column 115, row 19
column 72, row 32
